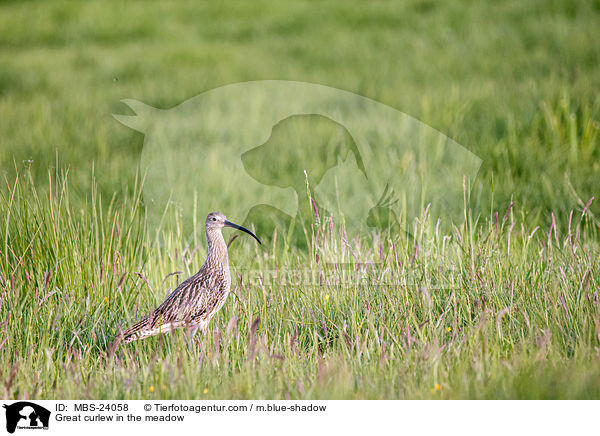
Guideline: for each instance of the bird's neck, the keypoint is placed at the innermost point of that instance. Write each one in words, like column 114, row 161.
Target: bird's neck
column 217, row 249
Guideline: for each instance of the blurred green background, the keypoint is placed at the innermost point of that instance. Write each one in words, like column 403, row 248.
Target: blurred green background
column 515, row 82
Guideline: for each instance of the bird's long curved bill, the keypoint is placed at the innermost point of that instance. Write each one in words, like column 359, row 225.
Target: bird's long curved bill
column 235, row 226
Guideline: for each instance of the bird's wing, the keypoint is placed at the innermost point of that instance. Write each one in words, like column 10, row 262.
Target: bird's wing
column 192, row 299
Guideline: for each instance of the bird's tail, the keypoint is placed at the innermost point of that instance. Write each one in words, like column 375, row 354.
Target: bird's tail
column 146, row 328
column 135, row 332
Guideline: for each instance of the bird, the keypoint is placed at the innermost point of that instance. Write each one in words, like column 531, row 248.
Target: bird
column 196, row 300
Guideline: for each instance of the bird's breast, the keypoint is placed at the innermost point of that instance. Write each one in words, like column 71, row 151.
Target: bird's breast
column 227, row 278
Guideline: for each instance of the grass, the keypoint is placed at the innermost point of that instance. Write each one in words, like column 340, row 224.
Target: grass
column 502, row 303
column 492, row 310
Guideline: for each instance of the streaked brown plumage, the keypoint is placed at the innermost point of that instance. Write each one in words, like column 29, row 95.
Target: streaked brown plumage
column 195, row 301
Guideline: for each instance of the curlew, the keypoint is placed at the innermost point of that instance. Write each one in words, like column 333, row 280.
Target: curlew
column 195, row 301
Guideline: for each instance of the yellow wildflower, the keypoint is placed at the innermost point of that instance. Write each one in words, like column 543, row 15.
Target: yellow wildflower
column 326, row 297
column 205, row 391
column 448, row 329
column 151, row 389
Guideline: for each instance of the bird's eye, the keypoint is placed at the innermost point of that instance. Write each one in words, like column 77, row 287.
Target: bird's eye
column 214, row 219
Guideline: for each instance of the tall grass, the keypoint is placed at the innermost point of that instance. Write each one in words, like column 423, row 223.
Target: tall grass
column 494, row 309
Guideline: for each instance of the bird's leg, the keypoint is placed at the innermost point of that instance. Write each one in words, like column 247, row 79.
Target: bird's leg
column 192, row 332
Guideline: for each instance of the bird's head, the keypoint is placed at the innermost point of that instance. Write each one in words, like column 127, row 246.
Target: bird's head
column 216, row 220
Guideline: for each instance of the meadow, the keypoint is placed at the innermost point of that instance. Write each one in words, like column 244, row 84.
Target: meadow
column 502, row 303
